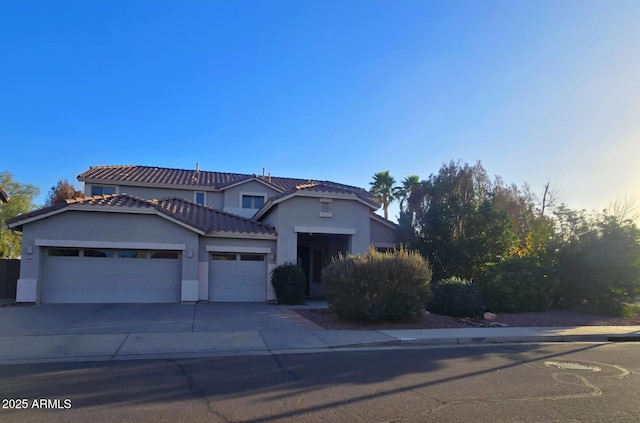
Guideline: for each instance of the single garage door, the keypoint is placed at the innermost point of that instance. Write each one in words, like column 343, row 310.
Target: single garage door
column 88, row 275
column 237, row 277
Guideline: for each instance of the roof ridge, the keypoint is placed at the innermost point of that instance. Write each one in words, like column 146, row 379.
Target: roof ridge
column 167, row 168
column 248, row 175
column 112, row 166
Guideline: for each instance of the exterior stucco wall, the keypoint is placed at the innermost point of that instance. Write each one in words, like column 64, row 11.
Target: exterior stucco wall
column 232, row 195
column 103, row 228
column 213, row 199
column 232, row 202
column 382, row 235
column 305, row 212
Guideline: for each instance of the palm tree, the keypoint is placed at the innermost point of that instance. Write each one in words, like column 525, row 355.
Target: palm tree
column 403, row 192
column 382, row 187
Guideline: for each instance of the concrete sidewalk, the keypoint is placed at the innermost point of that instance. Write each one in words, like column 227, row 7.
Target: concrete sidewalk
column 89, row 333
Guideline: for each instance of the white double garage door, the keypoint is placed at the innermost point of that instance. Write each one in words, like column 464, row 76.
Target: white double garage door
column 88, row 275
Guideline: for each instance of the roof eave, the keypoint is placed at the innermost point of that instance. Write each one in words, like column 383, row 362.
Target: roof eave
column 128, row 183
column 384, row 221
column 20, row 222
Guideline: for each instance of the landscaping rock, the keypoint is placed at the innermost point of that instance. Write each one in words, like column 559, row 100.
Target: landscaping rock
column 490, row 316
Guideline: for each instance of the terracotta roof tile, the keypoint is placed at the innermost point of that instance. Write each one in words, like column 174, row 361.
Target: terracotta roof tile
column 330, row 187
column 211, row 220
column 113, row 200
column 159, row 176
column 201, row 217
column 205, row 179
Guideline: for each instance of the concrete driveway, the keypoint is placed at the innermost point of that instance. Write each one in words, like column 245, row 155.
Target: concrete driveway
column 73, row 319
column 130, row 331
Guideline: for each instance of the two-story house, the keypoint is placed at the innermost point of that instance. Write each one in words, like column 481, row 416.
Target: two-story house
column 146, row 234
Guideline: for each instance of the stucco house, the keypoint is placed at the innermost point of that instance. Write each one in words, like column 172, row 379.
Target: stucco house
column 148, row 234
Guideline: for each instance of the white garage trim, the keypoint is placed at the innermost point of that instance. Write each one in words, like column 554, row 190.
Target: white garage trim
column 203, row 279
column 108, row 244
column 27, row 290
column 223, row 249
column 323, row 230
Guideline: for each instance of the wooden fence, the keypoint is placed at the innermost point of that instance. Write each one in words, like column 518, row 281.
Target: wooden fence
column 9, row 274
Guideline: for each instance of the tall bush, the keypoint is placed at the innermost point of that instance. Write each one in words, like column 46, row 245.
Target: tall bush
column 378, row 286
column 288, row 283
column 600, row 267
column 456, row 297
column 517, row 284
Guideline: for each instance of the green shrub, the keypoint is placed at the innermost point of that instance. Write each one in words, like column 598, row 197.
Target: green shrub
column 517, row 284
column 289, row 283
column 600, row 268
column 378, row 286
column 456, row 297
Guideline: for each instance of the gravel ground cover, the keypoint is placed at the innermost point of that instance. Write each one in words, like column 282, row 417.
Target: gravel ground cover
column 325, row 318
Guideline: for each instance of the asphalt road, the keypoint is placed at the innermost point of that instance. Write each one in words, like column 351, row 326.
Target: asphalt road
column 498, row 383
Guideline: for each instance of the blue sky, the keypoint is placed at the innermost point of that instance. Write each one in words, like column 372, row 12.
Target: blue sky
column 539, row 91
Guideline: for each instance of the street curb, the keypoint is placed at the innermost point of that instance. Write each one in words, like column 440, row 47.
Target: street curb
column 623, row 338
column 406, row 342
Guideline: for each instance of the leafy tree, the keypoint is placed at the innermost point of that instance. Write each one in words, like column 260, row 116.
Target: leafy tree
column 455, row 222
column 598, row 261
column 22, row 196
column 469, row 226
column 382, row 187
column 401, row 193
column 62, row 191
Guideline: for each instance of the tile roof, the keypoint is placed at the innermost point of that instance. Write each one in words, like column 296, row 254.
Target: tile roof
column 206, row 219
column 210, row 220
column 318, row 187
column 160, row 176
column 212, row 180
column 384, row 221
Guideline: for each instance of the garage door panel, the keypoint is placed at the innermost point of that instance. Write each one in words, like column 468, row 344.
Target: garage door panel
column 237, row 281
column 109, row 280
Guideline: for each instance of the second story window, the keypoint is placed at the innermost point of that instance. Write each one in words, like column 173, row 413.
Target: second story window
column 252, row 201
column 199, row 197
column 102, row 190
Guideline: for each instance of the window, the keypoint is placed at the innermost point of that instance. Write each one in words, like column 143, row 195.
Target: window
column 200, row 197
column 164, row 255
column 325, row 207
column 64, row 252
column 131, row 254
column 252, row 257
column 101, row 190
column 252, row 201
column 223, row 256
column 98, row 253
